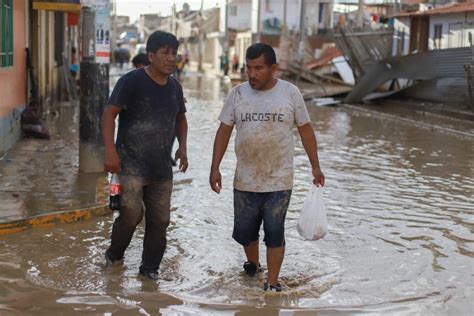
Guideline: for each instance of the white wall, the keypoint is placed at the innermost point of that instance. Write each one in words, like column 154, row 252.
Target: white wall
column 312, row 15
column 241, row 21
column 455, row 30
column 270, row 9
column 254, row 16
column 275, row 8
column 212, row 51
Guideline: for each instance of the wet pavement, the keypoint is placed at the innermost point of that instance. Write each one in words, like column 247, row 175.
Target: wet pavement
column 41, row 176
column 401, row 232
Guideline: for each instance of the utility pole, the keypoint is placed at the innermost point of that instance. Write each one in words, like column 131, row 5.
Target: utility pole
column 94, row 83
column 302, row 18
column 201, row 37
column 226, row 26
column 302, row 45
column 173, row 19
column 360, row 15
column 113, row 30
column 284, row 41
column 259, row 27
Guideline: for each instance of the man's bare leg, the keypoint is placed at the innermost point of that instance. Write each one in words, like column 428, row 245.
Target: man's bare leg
column 251, row 251
column 274, row 261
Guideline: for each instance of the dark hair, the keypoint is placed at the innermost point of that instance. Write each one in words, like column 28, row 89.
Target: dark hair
column 258, row 49
column 140, row 59
column 159, row 39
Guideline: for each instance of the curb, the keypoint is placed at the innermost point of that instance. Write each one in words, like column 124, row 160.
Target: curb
column 53, row 218
column 61, row 217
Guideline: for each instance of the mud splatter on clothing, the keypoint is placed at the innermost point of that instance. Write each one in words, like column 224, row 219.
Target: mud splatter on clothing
column 146, row 123
column 264, row 143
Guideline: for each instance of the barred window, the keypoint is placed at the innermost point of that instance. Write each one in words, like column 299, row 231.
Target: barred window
column 6, row 33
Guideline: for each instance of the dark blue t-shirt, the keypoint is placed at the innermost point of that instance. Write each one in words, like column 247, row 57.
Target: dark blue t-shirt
column 146, row 123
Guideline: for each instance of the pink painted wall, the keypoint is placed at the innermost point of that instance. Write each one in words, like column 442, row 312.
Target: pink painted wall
column 13, row 79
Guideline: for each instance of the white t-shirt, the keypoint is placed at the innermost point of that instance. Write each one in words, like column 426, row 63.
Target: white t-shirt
column 264, row 142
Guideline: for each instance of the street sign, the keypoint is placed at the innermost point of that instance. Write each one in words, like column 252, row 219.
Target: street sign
column 102, row 31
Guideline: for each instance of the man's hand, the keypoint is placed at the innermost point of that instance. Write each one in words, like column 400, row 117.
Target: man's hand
column 183, row 158
column 112, row 161
column 215, row 180
column 318, row 177
column 308, row 138
column 220, row 145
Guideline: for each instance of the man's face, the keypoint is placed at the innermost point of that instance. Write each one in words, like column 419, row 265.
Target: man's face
column 260, row 74
column 163, row 60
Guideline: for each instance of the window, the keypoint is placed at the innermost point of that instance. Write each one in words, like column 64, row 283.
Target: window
column 267, row 6
column 322, row 12
column 6, row 33
column 438, row 35
column 233, row 10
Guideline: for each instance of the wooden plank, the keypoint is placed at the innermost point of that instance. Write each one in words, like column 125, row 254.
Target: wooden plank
column 366, row 33
column 313, row 77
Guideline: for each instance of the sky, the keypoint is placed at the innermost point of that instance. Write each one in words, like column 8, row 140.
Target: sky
column 134, row 8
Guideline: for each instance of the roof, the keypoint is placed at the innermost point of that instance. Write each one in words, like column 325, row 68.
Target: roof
column 450, row 9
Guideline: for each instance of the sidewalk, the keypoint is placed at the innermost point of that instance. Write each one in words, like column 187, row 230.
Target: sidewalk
column 452, row 118
column 448, row 117
column 40, row 181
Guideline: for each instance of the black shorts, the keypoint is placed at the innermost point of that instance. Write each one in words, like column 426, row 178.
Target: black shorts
column 251, row 208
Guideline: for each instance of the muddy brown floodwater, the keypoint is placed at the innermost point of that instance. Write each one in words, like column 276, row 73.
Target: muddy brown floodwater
column 401, row 233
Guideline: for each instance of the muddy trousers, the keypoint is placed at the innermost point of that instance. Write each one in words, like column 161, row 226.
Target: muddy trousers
column 155, row 196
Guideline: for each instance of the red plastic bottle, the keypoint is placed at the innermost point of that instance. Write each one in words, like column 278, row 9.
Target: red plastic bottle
column 114, row 192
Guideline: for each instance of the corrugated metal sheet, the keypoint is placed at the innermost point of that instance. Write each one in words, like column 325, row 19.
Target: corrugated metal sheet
column 442, row 71
column 376, row 75
column 441, row 63
column 470, row 82
column 362, row 49
column 447, row 90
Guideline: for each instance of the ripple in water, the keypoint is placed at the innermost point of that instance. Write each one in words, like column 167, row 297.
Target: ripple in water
column 401, row 234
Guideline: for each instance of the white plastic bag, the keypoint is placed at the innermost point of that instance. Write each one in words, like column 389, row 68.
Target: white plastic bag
column 312, row 224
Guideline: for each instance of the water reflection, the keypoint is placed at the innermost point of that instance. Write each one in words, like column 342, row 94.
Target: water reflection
column 401, row 237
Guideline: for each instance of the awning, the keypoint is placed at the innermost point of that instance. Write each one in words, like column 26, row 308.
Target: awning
column 57, row 5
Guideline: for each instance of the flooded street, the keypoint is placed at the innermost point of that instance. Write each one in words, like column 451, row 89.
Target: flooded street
column 400, row 201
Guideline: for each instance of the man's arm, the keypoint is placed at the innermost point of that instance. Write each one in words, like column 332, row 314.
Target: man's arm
column 111, row 160
column 181, row 131
column 220, row 146
column 311, row 147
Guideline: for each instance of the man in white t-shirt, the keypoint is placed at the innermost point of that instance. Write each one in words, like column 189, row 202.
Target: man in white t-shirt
column 264, row 110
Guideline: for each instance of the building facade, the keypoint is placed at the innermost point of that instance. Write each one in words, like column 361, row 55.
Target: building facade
column 429, row 28
column 13, row 82
column 48, row 30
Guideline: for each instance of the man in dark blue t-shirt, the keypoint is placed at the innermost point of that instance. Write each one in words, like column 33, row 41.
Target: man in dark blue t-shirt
column 151, row 107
